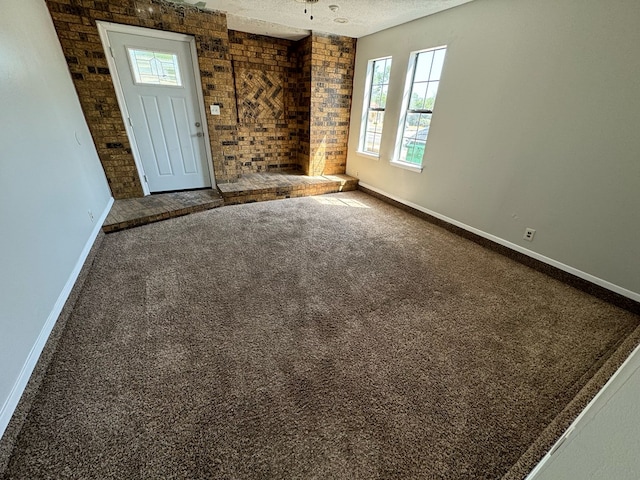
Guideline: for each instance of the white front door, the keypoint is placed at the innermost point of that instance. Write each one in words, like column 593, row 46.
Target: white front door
column 158, row 87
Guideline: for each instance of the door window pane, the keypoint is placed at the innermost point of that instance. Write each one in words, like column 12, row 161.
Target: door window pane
column 155, row 68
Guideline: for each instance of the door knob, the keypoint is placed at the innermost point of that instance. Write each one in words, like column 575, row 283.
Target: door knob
column 200, row 134
column 197, row 124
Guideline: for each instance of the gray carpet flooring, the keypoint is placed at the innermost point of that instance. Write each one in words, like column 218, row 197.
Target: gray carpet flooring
column 331, row 337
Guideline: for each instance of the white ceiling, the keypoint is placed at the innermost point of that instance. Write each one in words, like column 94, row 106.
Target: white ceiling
column 286, row 18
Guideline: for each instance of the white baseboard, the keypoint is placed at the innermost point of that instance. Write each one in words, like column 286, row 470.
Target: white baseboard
column 32, row 359
column 549, row 261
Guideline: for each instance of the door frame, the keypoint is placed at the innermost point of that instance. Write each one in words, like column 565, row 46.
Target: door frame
column 103, row 29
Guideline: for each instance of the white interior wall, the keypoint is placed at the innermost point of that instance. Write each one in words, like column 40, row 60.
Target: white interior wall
column 535, row 125
column 50, row 179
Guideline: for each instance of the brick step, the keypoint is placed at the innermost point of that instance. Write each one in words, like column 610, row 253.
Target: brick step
column 133, row 212
column 258, row 187
column 255, row 187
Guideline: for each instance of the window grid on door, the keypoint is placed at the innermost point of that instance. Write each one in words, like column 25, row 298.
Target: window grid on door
column 154, row 68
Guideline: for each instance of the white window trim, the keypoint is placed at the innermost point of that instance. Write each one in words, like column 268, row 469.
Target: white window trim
column 395, row 160
column 412, row 167
column 372, row 156
column 365, row 108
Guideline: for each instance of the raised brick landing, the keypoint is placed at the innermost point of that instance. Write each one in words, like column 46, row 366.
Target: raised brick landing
column 253, row 187
column 133, row 212
column 257, row 187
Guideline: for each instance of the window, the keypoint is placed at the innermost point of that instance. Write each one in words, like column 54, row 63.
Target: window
column 155, row 68
column 374, row 105
column 422, row 83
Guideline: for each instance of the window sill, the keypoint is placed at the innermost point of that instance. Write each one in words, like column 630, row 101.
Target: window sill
column 407, row 166
column 373, row 156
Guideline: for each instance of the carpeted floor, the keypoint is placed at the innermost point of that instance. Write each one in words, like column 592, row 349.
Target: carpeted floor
column 331, row 337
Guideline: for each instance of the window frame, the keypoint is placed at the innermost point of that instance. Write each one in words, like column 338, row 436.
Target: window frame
column 366, row 105
column 406, row 103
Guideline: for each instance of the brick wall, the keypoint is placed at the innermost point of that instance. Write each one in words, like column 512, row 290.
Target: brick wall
column 294, row 102
column 284, row 105
column 303, row 101
column 265, row 71
column 75, row 23
column 332, row 67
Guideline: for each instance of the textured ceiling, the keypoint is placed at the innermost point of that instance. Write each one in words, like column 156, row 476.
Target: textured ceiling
column 286, row 18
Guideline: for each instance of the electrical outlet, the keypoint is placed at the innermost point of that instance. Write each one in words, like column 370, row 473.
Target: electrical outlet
column 528, row 234
column 215, row 109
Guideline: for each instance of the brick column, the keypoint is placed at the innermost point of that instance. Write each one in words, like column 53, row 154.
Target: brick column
column 331, row 82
